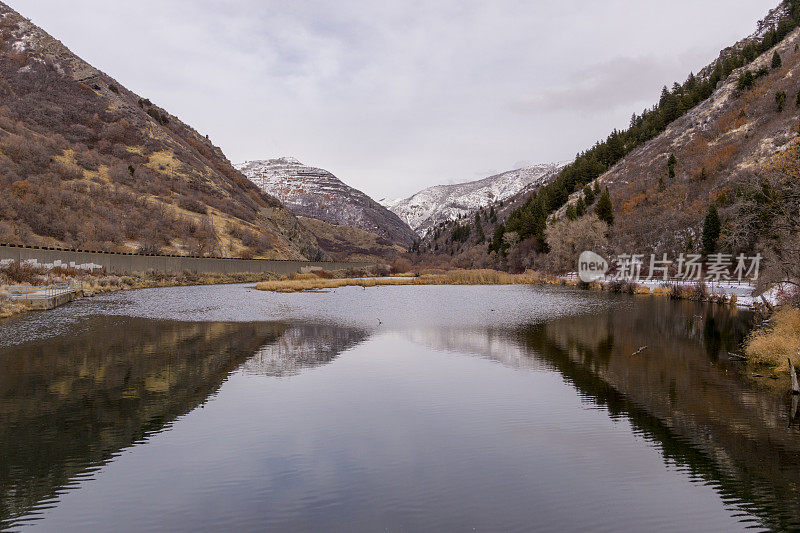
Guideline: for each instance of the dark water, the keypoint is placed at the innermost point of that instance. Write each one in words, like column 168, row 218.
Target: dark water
column 396, row 408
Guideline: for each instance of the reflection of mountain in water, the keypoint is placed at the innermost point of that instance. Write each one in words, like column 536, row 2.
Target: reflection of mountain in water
column 497, row 345
column 70, row 402
column 302, row 347
column 683, row 392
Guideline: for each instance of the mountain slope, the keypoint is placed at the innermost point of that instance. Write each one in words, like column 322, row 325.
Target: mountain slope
column 440, row 203
column 316, row 193
column 346, row 243
column 86, row 163
column 727, row 137
column 725, row 150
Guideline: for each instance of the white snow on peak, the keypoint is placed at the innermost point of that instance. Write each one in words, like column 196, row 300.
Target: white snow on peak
column 316, row 193
column 433, row 205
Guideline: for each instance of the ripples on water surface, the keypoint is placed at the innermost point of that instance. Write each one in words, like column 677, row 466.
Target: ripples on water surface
column 399, row 408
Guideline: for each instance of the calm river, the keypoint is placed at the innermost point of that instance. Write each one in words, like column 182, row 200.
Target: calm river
column 392, row 408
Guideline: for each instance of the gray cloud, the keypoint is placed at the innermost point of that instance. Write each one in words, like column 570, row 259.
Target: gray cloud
column 396, row 96
column 609, row 85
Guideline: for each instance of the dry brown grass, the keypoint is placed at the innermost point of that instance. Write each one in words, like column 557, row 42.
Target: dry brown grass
column 661, row 290
column 454, row 277
column 9, row 307
column 773, row 345
column 303, row 276
column 642, row 289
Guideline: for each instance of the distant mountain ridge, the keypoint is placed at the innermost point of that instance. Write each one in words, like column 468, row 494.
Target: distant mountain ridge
column 440, row 203
column 316, row 193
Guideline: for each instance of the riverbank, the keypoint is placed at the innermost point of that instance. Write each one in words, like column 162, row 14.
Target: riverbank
column 733, row 293
column 312, row 282
column 776, row 341
column 89, row 285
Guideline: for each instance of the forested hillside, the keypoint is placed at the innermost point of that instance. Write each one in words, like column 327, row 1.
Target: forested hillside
column 725, row 137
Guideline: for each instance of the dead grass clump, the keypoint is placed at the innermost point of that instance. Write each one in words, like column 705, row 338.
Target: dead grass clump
column 9, row 307
column 662, row 290
column 299, row 276
column 772, row 346
column 452, row 277
column 486, row 277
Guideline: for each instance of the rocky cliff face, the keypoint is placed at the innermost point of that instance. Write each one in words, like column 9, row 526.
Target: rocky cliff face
column 86, row 163
column 441, row 203
column 316, row 193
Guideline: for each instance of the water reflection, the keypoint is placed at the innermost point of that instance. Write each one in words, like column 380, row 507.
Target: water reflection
column 683, row 392
column 301, row 347
column 432, row 435
column 71, row 403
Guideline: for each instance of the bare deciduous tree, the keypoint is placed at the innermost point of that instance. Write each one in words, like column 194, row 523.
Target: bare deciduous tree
column 568, row 238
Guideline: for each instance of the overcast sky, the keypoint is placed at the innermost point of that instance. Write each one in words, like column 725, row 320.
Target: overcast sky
column 393, row 97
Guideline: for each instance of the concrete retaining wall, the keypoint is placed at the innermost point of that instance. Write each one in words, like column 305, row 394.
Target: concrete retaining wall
column 128, row 263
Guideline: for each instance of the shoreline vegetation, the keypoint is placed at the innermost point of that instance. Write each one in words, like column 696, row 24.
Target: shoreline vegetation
column 319, row 281
column 776, row 340
column 15, row 277
column 771, row 344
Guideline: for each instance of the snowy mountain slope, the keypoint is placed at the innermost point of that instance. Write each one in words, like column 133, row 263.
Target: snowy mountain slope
column 316, row 193
column 446, row 202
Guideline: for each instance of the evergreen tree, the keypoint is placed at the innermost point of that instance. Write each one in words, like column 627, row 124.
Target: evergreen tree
column 711, row 230
column 580, row 207
column 497, row 241
column 588, row 194
column 479, row 229
column 671, row 162
column 596, row 189
column 604, row 210
column 776, row 60
column 571, row 213
column 780, row 100
column 746, row 80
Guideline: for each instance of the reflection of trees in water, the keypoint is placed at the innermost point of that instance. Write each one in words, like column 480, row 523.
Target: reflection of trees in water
column 682, row 395
column 300, row 347
column 73, row 401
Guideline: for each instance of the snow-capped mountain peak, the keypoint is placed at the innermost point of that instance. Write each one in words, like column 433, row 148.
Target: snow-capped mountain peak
column 436, row 204
column 316, row 193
